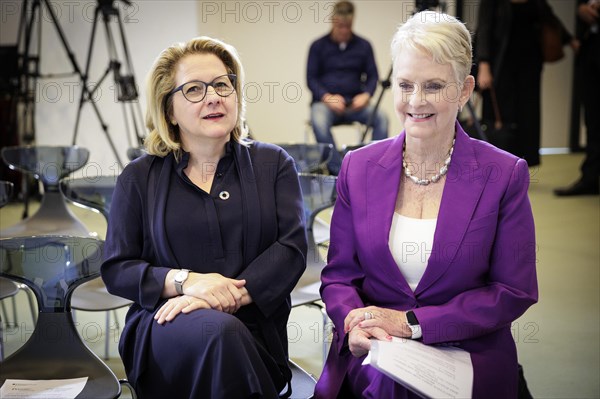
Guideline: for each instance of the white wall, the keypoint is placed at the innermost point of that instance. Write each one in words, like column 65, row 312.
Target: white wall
column 272, row 37
column 149, row 26
column 557, row 85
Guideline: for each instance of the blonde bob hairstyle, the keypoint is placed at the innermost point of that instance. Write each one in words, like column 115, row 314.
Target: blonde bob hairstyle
column 164, row 136
column 439, row 35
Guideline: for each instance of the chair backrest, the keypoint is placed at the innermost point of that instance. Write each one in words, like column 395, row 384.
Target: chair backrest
column 135, row 152
column 53, row 266
column 318, row 193
column 47, row 164
column 6, row 189
column 309, row 158
column 91, row 192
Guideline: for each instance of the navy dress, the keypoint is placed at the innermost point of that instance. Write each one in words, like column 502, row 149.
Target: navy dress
column 250, row 226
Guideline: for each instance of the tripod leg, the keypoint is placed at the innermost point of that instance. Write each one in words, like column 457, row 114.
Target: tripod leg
column 84, row 78
column 480, row 131
column 384, row 85
column 86, row 93
column 63, row 38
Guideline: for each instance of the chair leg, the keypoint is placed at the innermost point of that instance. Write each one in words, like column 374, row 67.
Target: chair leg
column 4, row 313
column 107, row 338
column 325, row 333
column 31, row 300
column 1, row 339
column 14, row 310
column 125, row 383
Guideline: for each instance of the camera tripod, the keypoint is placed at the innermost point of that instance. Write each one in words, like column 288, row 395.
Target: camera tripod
column 125, row 84
column 28, row 61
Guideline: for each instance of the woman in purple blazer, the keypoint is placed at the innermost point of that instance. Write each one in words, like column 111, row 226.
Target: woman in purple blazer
column 432, row 236
column 206, row 236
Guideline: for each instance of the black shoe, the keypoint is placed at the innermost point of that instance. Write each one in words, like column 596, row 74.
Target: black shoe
column 579, row 188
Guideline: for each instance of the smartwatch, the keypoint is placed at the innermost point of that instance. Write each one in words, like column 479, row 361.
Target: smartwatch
column 180, row 278
column 413, row 324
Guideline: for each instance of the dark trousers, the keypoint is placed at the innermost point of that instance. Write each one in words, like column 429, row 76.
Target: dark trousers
column 518, row 89
column 590, row 61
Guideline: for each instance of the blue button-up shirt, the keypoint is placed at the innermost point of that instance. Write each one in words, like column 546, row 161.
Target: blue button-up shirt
column 337, row 70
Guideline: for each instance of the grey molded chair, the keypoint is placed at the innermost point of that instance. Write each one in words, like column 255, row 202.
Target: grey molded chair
column 303, row 384
column 318, row 193
column 94, row 193
column 53, row 266
column 309, row 158
column 49, row 165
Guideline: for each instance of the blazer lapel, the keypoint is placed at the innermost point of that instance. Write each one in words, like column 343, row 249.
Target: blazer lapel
column 250, row 202
column 158, row 185
column 382, row 183
column 464, row 186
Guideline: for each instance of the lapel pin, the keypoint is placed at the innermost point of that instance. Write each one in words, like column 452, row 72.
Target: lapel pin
column 224, row 195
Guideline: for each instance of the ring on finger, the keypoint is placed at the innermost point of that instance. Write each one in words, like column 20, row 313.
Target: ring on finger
column 368, row 316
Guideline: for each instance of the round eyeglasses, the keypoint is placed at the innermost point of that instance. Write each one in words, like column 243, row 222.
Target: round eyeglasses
column 195, row 90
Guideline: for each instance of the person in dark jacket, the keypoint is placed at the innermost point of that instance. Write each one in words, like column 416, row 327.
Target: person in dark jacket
column 206, row 236
column 342, row 76
column 509, row 53
column 588, row 32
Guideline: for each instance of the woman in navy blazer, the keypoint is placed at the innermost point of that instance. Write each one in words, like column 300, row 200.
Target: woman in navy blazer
column 432, row 235
column 206, row 236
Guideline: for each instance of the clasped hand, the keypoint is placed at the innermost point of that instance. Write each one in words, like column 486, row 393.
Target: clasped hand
column 384, row 324
column 205, row 291
column 337, row 103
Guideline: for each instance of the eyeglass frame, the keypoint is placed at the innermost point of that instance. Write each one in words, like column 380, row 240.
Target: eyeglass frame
column 232, row 77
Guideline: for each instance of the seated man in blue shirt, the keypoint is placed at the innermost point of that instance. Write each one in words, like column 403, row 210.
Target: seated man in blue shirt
column 342, row 76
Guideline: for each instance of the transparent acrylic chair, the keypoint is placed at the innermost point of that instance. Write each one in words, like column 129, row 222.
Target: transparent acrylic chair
column 9, row 288
column 309, row 158
column 318, row 194
column 95, row 193
column 49, row 165
column 53, row 266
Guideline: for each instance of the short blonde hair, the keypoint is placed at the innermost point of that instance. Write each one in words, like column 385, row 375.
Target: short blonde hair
column 439, row 35
column 164, row 136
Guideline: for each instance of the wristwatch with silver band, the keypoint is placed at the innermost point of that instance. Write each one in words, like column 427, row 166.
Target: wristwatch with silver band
column 180, row 277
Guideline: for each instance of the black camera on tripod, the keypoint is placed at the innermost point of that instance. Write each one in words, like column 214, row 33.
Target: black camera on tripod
column 422, row 5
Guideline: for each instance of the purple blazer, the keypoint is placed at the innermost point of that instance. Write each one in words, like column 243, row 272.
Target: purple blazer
column 481, row 273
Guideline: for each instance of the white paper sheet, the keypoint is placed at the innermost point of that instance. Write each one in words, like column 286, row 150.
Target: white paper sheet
column 42, row 389
column 430, row 371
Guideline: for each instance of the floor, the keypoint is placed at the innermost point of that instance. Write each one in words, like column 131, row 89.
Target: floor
column 558, row 339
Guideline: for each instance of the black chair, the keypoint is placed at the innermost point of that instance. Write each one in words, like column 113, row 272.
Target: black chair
column 53, row 266
column 94, row 193
column 49, row 165
column 309, row 158
column 318, row 193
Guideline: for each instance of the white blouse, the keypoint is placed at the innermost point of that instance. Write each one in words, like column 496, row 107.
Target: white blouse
column 411, row 241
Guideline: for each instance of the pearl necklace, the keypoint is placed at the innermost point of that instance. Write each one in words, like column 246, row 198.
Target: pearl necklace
column 435, row 178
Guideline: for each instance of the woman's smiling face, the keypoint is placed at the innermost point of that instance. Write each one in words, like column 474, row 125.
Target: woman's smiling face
column 427, row 96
